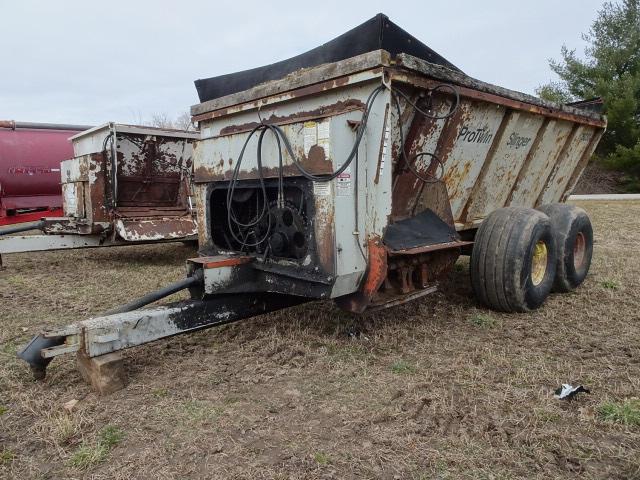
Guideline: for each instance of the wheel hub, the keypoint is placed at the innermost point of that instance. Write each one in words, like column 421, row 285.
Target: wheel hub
column 539, row 263
column 579, row 250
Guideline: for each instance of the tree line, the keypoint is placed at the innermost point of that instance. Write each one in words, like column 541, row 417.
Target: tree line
column 610, row 69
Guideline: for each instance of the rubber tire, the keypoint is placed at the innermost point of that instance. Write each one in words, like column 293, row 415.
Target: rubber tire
column 500, row 265
column 567, row 222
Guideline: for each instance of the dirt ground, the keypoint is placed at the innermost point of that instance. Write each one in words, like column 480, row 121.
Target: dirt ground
column 597, row 179
column 438, row 388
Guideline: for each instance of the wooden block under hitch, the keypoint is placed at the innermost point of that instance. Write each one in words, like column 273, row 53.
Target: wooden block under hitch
column 105, row 373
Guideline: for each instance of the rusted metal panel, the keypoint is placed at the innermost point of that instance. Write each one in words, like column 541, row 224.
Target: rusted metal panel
column 586, row 156
column 73, row 199
column 150, row 170
column 421, row 134
column 376, row 274
column 135, row 179
column 203, row 214
column 88, row 175
column 500, row 171
column 138, row 230
column 464, row 158
column 565, row 166
column 377, row 163
column 217, row 156
column 541, row 161
column 222, row 142
column 324, row 228
column 430, row 74
column 302, row 83
column 311, row 115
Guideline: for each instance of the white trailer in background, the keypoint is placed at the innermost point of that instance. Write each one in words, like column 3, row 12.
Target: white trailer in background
column 125, row 185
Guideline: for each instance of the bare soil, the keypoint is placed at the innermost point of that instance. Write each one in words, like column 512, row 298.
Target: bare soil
column 597, row 180
column 438, row 388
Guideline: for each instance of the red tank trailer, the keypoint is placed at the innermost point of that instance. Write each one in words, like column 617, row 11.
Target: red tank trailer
column 30, row 156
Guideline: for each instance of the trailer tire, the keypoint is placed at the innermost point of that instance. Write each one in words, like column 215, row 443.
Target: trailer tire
column 513, row 262
column 573, row 234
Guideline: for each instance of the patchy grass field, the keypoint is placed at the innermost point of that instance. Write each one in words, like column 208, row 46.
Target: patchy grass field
column 439, row 388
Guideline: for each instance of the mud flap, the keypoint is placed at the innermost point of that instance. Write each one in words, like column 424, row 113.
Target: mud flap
column 423, row 230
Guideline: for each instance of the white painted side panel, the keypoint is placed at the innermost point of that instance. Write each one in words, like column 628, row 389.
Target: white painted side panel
column 566, row 165
column 502, row 169
column 465, row 160
column 543, row 159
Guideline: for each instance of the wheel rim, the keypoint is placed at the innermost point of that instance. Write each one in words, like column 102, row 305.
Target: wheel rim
column 579, row 250
column 539, row 263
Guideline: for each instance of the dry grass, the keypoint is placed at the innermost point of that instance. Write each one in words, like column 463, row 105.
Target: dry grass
column 439, row 388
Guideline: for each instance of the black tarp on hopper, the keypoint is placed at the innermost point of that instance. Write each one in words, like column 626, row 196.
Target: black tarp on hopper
column 378, row 33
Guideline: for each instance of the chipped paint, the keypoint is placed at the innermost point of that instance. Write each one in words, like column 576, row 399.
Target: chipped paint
column 497, row 148
column 146, row 197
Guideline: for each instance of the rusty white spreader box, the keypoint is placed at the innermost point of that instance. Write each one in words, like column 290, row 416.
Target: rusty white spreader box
column 128, row 182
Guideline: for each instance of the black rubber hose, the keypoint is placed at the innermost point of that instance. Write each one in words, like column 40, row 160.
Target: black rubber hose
column 158, row 294
column 23, row 227
column 32, row 352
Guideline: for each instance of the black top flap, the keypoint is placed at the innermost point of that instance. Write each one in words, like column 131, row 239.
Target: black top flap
column 378, row 33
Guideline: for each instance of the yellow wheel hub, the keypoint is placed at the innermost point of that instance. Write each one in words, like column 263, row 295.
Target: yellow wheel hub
column 539, row 263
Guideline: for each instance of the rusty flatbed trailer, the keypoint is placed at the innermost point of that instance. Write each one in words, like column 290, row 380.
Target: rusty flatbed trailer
column 360, row 172
column 126, row 185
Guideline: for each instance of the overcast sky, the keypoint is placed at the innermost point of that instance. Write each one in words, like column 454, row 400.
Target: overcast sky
column 91, row 62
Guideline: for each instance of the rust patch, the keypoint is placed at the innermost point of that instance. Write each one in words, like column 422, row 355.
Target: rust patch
column 382, row 153
column 217, row 261
column 326, row 111
column 98, row 195
column 146, row 229
column 475, row 191
column 315, row 163
column 405, row 183
column 292, row 94
column 471, row 93
column 316, row 157
column 325, row 233
column 377, row 270
column 528, row 159
column 559, row 158
column 376, row 274
column 408, row 189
